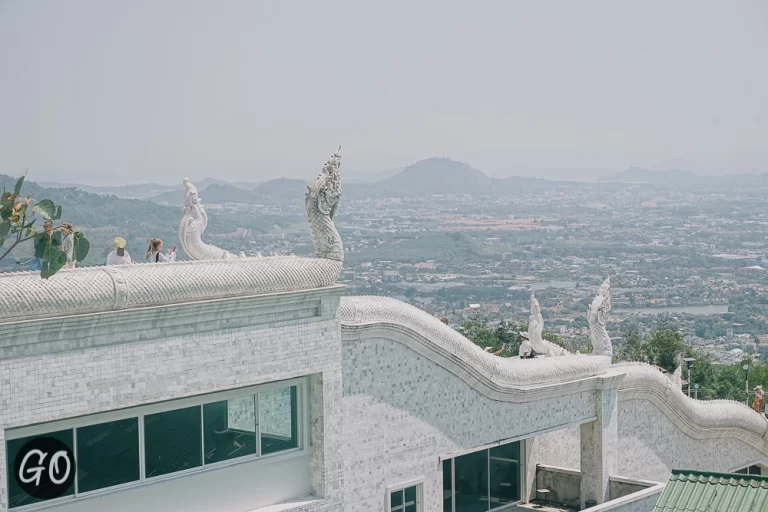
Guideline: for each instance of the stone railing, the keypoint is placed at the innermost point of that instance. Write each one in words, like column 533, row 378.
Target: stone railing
column 699, row 419
column 503, row 378
column 25, row 295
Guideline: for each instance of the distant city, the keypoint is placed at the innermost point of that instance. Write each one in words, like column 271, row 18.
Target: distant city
column 684, row 250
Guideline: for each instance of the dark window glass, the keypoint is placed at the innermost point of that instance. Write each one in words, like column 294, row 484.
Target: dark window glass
column 447, row 495
column 396, row 501
column 229, row 428
column 16, row 495
column 410, row 499
column 505, row 474
column 107, row 454
column 472, row 482
column 278, row 420
column 172, row 441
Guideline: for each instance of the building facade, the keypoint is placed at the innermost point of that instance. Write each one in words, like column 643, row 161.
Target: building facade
column 213, row 397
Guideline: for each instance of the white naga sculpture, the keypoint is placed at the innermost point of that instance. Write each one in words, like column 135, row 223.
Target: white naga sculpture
column 322, row 201
column 535, row 328
column 598, row 316
column 193, row 224
column 677, row 377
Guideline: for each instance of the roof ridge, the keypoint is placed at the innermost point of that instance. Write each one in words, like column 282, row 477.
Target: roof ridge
column 715, row 474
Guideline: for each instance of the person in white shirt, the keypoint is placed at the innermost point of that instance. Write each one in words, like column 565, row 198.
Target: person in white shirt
column 155, row 252
column 526, row 351
column 119, row 256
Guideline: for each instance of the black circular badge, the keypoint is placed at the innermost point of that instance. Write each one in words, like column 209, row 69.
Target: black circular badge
column 45, row 468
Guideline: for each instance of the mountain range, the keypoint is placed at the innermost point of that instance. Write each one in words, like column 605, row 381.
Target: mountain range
column 678, row 178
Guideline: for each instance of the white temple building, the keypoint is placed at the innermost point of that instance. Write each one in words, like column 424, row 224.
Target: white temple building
column 235, row 384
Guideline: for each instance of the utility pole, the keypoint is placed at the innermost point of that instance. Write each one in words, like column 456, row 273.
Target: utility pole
column 689, row 362
column 746, row 380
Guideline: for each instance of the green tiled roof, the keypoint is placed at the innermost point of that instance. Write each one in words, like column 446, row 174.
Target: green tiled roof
column 698, row 491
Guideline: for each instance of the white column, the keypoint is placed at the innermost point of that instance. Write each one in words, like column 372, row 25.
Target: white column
column 599, row 442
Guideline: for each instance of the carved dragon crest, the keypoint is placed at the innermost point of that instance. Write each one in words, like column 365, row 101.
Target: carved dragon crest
column 535, row 328
column 191, row 228
column 322, row 201
column 598, row 317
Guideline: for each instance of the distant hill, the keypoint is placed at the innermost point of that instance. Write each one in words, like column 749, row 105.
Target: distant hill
column 226, row 193
column 439, row 176
column 138, row 191
column 446, row 176
column 282, row 189
column 678, row 178
column 640, row 175
column 369, row 177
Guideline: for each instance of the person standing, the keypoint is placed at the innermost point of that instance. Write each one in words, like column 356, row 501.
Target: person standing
column 68, row 244
column 155, row 252
column 526, row 351
column 119, row 256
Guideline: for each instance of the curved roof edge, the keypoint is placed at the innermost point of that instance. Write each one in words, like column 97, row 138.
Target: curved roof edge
column 25, row 295
column 700, row 419
column 507, row 378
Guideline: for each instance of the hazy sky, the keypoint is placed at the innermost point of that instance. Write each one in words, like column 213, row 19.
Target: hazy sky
column 128, row 91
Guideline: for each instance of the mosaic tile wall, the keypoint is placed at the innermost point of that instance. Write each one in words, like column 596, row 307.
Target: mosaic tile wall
column 64, row 383
column 650, row 446
column 402, row 412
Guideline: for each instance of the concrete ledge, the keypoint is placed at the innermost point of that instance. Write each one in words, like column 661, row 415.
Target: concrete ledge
column 641, row 501
column 297, row 505
column 77, row 332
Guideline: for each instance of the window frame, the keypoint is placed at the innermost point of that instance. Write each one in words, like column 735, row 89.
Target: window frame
column 417, row 483
column 302, row 426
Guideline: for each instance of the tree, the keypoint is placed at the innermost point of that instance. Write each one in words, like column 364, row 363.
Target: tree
column 633, row 347
column 18, row 216
column 477, row 330
column 664, row 347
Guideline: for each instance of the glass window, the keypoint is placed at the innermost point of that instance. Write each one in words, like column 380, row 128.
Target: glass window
column 396, row 500
column 107, row 454
column 277, row 420
column 229, row 428
column 172, row 441
column 17, row 497
column 505, row 474
column 447, row 487
column 471, row 482
column 404, row 500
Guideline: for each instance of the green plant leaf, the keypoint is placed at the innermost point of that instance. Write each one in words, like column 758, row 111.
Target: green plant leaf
column 57, row 215
column 46, row 209
column 5, row 228
column 51, row 254
column 19, row 184
column 81, row 247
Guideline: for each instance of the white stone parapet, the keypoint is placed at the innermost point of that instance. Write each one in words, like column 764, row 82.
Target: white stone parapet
column 368, row 317
column 699, row 419
column 25, row 296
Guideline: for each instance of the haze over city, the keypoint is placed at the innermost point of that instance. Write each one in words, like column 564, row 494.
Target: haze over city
column 109, row 93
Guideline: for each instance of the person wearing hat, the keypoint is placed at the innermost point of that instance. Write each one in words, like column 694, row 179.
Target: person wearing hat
column 119, row 256
column 68, row 243
column 526, row 351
